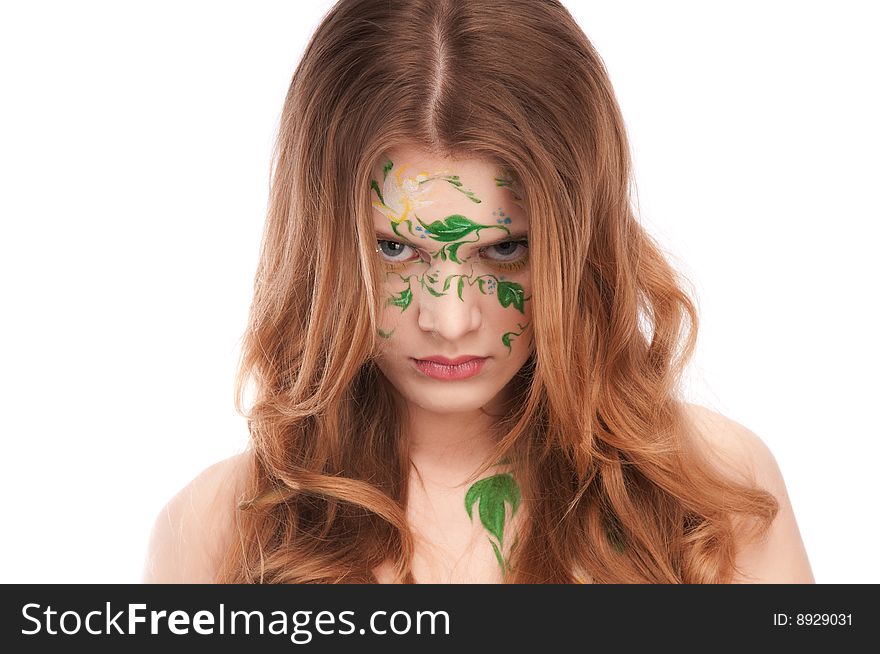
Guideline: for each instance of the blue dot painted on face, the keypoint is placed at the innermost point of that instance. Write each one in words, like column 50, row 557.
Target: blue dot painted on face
column 418, row 228
column 507, row 221
column 423, row 236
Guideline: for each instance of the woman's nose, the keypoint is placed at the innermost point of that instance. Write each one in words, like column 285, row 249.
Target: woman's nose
column 448, row 315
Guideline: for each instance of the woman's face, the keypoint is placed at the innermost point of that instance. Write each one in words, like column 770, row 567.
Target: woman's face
column 452, row 241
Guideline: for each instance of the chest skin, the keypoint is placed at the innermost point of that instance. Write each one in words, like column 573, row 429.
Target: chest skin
column 451, row 546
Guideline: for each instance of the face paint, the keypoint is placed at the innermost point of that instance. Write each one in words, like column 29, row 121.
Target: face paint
column 452, row 238
column 492, row 493
column 399, row 198
column 505, row 339
column 507, row 180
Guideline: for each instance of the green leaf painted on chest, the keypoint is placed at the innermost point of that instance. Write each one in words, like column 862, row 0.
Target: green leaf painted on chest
column 492, row 493
column 451, row 228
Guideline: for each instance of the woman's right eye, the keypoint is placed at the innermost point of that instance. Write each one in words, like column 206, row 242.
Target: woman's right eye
column 391, row 252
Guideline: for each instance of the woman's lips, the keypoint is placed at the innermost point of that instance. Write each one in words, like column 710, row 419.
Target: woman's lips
column 450, row 362
column 461, row 368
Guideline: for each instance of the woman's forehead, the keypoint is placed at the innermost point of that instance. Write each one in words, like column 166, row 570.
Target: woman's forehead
column 412, row 161
column 483, row 191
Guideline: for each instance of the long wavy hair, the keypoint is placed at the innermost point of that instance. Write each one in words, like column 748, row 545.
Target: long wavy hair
column 615, row 484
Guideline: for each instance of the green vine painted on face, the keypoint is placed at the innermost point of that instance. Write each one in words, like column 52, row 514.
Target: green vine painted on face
column 508, row 293
column 505, row 339
column 401, row 196
column 493, row 493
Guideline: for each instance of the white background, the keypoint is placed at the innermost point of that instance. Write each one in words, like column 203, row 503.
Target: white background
column 135, row 143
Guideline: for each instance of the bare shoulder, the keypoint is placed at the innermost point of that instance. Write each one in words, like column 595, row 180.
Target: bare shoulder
column 193, row 528
column 781, row 556
column 737, row 450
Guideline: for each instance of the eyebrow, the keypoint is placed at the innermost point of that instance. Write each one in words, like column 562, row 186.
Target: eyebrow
column 513, row 236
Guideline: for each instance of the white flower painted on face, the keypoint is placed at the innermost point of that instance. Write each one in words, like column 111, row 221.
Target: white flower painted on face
column 403, row 194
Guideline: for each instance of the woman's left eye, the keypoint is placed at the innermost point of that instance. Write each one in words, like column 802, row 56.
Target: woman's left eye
column 509, row 251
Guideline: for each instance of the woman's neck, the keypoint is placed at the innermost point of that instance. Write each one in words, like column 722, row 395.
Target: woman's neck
column 447, row 448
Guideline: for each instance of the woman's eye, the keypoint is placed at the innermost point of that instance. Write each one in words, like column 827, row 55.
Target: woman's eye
column 508, row 251
column 393, row 252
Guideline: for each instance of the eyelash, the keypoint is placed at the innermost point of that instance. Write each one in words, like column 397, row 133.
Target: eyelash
column 509, row 266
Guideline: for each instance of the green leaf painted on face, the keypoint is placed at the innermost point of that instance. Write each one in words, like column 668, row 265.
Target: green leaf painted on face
column 511, row 293
column 460, row 288
column 505, row 338
column 375, row 186
column 427, row 287
column 452, row 248
column 402, row 299
column 385, row 334
column 452, row 228
column 492, row 493
column 432, row 291
column 455, row 180
column 394, row 225
column 388, row 166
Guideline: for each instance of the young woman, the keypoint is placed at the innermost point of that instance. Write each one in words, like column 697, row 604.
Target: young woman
column 464, row 350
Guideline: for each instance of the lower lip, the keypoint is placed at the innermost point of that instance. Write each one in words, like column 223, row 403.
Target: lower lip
column 461, row 370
